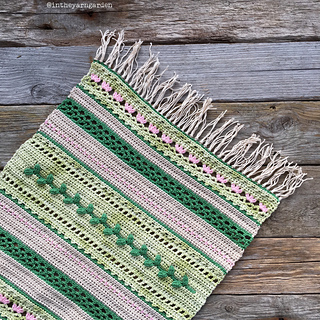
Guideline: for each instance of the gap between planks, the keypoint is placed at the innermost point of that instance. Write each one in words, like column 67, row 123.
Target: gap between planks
column 224, row 72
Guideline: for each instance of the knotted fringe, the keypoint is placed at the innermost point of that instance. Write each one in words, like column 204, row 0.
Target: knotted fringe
column 183, row 107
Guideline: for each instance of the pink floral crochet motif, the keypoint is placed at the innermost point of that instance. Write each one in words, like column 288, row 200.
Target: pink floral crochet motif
column 180, row 149
column 128, row 107
column 235, row 188
column 95, row 78
column 153, row 129
column 141, row 119
column 106, row 86
column 221, row 178
column 166, row 139
column 193, row 159
column 250, row 198
column 117, row 96
column 207, row 169
column 17, row 308
column 262, row 207
column 4, row 299
column 30, row 316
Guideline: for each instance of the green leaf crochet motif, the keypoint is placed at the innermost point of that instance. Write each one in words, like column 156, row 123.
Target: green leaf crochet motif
column 108, row 231
column 93, row 220
column 135, row 252
column 28, row 171
column 148, row 263
column 54, row 191
column 121, row 241
column 81, row 210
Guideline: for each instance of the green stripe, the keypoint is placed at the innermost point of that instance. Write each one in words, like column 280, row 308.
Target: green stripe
column 188, row 137
column 123, row 150
column 28, row 258
column 82, row 210
column 136, row 204
column 105, row 107
column 29, row 298
column 22, row 206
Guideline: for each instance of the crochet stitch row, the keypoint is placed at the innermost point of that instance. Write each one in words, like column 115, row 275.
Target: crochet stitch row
column 128, row 204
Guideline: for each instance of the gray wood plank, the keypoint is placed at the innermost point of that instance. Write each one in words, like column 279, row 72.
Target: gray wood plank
column 28, row 23
column 257, row 307
column 292, row 127
column 257, row 277
column 297, row 216
column 224, row 72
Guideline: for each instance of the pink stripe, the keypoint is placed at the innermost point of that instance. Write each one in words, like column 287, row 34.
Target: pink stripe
column 123, row 181
column 71, row 257
column 181, row 150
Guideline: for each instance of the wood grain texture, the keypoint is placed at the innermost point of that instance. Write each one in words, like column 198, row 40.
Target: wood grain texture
column 292, row 127
column 260, row 307
column 31, row 23
column 278, row 276
column 224, row 72
column 274, row 265
column 297, row 216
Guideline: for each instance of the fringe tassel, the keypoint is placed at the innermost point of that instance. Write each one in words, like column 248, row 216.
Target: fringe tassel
column 180, row 105
column 126, row 67
column 105, row 40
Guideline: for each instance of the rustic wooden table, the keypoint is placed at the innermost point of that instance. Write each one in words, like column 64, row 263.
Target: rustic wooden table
column 261, row 61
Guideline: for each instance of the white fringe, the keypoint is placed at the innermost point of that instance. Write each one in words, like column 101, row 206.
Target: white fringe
column 180, row 105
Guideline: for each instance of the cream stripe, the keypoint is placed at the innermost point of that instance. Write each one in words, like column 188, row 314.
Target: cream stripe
column 90, row 238
column 91, row 149
column 67, row 259
column 88, row 103
column 40, row 290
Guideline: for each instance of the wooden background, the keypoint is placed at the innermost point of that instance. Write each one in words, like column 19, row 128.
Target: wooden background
column 258, row 59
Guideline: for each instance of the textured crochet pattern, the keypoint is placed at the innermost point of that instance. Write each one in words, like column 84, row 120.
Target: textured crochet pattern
column 127, row 203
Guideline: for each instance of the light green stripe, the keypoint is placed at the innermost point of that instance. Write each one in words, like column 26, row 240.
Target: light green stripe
column 54, row 277
column 74, row 245
column 134, row 203
column 186, row 136
column 101, row 132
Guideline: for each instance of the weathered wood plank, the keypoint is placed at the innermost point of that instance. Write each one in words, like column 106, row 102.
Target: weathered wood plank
column 17, row 124
column 277, row 266
column 292, row 127
column 267, row 251
column 297, row 216
column 257, row 307
column 258, row 277
column 224, row 72
column 26, row 23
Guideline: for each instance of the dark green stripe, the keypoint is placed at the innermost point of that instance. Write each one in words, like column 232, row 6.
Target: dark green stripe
column 95, row 220
column 127, row 198
column 29, row 298
column 190, row 138
column 22, row 206
column 165, row 156
column 28, row 258
column 123, row 150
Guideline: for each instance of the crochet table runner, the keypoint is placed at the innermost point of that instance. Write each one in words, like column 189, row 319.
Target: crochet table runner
column 127, row 203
